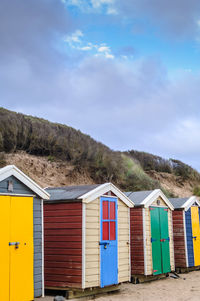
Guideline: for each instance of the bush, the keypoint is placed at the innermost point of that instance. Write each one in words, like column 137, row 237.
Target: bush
column 196, row 190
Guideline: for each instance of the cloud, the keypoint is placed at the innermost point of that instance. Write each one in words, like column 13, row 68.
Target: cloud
column 94, row 6
column 75, row 41
column 74, row 38
column 176, row 18
column 125, row 104
column 179, row 18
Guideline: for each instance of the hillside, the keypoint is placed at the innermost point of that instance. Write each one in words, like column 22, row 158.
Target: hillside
column 55, row 154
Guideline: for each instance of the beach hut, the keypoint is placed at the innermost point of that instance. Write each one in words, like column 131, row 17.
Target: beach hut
column 86, row 238
column 21, row 253
column 186, row 226
column 152, row 249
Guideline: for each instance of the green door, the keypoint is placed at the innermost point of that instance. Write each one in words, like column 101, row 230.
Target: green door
column 155, row 241
column 160, row 240
column 164, row 231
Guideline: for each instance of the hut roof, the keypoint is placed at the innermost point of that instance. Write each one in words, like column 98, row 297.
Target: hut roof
column 69, row 192
column 86, row 193
column 12, row 170
column 146, row 198
column 138, row 197
column 184, row 203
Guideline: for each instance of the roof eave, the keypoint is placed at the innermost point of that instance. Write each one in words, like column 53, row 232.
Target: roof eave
column 12, row 170
column 101, row 190
column 154, row 195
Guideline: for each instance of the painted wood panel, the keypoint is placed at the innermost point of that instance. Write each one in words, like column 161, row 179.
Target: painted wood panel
column 124, row 246
column 92, row 238
column 162, row 203
column 171, row 242
column 137, row 243
column 190, row 249
column 20, row 188
column 179, row 239
column 63, row 245
column 149, row 268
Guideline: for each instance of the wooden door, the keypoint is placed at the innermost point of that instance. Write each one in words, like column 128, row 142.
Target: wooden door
column 4, row 249
column 189, row 236
column 17, row 249
column 164, row 234
column 196, row 234
column 155, row 241
column 109, row 242
column 160, row 240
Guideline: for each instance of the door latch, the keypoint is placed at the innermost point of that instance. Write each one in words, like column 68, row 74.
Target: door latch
column 105, row 244
column 16, row 244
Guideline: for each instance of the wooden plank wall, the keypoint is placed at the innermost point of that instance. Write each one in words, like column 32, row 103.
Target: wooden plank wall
column 171, row 242
column 92, row 249
column 149, row 264
column 123, row 242
column 37, row 217
column 63, row 245
column 137, row 241
column 179, row 239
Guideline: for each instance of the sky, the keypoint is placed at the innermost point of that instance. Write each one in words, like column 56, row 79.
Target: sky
column 126, row 72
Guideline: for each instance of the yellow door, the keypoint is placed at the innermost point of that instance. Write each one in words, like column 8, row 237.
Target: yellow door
column 196, row 234
column 4, row 247
column 16, row 252
column 21, row 254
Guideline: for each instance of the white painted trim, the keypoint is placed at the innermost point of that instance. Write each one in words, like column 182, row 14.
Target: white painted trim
column 190, row 202
column 153, row 196
column 12, row 170
column 83, row 243
column 42, row 213
column 18, row 194
column 129, row 244
column 101, row 190
column 144, row 241
column 185, row 238
column 172, row 239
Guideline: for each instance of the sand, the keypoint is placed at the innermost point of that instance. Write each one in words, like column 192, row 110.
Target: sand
column 187, row 287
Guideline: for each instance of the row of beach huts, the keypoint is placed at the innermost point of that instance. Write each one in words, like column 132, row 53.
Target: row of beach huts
column 90, row 238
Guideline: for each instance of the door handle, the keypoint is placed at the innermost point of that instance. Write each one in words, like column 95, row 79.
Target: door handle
column 16, row 244
column 104, row 244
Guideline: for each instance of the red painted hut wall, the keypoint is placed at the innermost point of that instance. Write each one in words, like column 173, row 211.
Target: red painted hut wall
column 179, row 239
column 63, row 245
column 137, row 247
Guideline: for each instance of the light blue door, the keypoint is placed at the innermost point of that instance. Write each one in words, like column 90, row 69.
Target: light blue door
column 108, row 241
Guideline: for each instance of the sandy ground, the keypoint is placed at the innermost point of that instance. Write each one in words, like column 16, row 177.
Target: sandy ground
column 187, row 287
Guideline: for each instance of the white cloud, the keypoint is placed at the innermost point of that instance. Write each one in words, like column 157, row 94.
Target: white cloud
column 94, row 6
column 74, row 37
column 86, row 48
column 75, row 41
column 104, row 49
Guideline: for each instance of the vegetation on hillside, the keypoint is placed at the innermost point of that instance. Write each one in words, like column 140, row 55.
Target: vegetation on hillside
column 176, row 167
column 37, row 136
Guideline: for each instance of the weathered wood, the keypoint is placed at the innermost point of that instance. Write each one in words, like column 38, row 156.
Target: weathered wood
column 63, row 244
column 136, row 279
column 179, row 239
column 136, row 244
column 71, row 293
column 183, row 270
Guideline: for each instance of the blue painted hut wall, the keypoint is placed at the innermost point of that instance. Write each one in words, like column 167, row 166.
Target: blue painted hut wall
column 20, row 188
column 189, row 235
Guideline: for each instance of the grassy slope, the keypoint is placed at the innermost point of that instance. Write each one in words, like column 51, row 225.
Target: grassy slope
column 54, row 141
